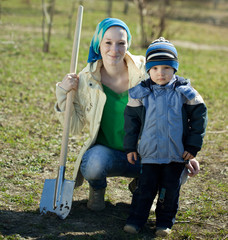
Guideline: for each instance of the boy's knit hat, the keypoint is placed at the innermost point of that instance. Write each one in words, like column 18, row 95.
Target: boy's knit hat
column 161, row 52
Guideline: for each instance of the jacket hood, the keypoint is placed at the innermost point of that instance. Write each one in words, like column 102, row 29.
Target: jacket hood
column 180, row 84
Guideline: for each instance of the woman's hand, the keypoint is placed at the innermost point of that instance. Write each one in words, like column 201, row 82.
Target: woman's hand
column 132, row 157
column 70, row 82
column 193, row 167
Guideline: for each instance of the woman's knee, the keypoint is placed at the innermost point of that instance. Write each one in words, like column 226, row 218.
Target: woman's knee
column 92, row 170
column 93, row 164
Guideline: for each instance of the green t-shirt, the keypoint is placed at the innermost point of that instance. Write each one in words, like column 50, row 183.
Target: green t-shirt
column 111, row 133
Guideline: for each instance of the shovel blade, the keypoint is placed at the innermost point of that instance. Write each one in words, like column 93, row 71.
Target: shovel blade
column 47, row 199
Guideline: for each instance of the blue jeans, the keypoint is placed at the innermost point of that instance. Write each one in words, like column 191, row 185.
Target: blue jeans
column 162, row 178
column 100, row 162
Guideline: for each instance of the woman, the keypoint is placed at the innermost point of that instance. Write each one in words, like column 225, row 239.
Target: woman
column 100, row 99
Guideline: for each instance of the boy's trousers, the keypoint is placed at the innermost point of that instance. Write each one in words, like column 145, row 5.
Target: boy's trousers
column 162, row 178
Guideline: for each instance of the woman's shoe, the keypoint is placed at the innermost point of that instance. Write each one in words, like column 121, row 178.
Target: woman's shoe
column 162, row 232
column 131, row 229
column 96, row 199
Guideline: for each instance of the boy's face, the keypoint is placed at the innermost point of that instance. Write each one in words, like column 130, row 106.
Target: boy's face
column 161, row 74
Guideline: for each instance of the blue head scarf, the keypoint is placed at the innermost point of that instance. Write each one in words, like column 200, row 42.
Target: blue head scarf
column 94, row 51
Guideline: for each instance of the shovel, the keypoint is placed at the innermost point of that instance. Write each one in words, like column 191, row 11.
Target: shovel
column 58, row 193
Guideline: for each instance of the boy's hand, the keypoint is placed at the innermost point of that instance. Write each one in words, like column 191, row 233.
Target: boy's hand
column 132, row 157
column 193, row 167
column 187, row 156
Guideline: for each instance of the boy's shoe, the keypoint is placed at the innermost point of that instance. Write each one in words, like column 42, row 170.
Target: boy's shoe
column 133, row 229
column 96, row 199
column 162, row 232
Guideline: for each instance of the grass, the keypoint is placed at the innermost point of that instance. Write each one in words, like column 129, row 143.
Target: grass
column 30, row 134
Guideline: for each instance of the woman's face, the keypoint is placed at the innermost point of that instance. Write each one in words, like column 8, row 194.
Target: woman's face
column 114, row 45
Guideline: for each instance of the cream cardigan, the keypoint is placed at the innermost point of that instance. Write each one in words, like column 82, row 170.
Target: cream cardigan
column 89, row 102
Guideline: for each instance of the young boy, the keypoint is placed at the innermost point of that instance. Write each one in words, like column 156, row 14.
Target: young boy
column 165, row 122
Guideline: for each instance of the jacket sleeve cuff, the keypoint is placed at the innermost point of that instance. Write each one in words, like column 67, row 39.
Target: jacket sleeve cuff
column 130, row 150
column 192, row 149
column 61, row 95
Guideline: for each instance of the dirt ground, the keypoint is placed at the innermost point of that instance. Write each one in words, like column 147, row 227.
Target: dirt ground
column 82, row 223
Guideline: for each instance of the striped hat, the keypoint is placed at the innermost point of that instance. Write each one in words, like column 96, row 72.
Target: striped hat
column 161, row 52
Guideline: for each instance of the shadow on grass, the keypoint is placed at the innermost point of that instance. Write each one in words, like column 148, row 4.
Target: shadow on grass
column 81, row 224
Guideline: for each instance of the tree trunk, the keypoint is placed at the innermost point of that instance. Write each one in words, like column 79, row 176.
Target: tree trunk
column 0, row 10
column 48, row 13
column 27, row 2
column 109, row 8
column 162, row 13
column 216, row 2
column 141, row 6
column 73, row 7
column 126, row 6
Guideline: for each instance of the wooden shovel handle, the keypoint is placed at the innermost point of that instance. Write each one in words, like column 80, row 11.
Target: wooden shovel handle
column 70, row 95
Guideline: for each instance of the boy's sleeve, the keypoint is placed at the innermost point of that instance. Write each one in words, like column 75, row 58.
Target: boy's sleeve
column 196, row 114
column 133, row 115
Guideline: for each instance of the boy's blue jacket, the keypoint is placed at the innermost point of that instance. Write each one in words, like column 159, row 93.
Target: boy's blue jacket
column 161, row 122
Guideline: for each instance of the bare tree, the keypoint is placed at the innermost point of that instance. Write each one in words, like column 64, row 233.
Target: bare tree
column 162, row 16
column 216, row 3
column 126, row 6
column 0, row 10
column 27, row 2
column 109, row 8
column 73, row 7
column 48, row 13
column 142, row 10
column 146, row 12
